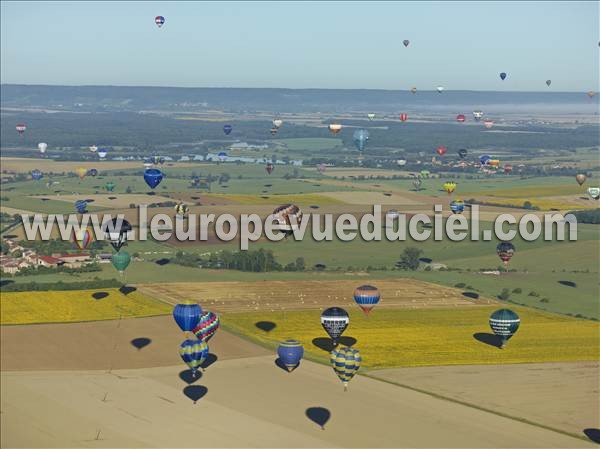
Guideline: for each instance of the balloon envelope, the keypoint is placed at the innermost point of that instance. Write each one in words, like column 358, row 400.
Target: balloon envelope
column 505, row 251
column 153, row 177
column 367, row 297
column 159, row 21
column 81, row 206
column 36, row 174
column 207, row 326
column 594, row 192
column 502, row 76
column 457, row 206
column 335, row 320
column 116, row 232
column 187, row 315
column 580, row 178
column 504, row 323
column 406, row 42
column 290, row 353
column 461, row 118
column 345, row 362
column 193, row 353
column 227, row 129
column 360, row 137
column 42, row 146
column 462, row 153
column 82, row 238
column 121, row 260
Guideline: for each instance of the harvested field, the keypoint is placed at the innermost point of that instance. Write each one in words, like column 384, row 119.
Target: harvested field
column 371, row 198
column 307, row 295
column 120, row 201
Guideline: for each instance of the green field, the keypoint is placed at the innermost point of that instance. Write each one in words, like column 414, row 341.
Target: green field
column 396, row 338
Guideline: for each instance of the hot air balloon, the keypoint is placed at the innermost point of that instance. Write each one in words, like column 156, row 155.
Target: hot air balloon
column 21, row 127
column 335, row 128
column 460, row 118
column 116, row 232
column 462, row 153
column 193, row 353
column 227, row 129
column 360, row 137
column 82, row 238
column 335, row 320
column 591, row 94
column 477, row 115
column 269, row 167
column 277, row 123
column 121, row 261
column 505, row 251
column 290, row 353
column 345, row 362
column 494, row 163
column 504, row 323
column 207, row 326
column 488, row 123
column 36, row 174
column 155, row 160
column 285, row 216
column 508, row 168
column 417, row 184
column 187, row 315
column 424, row 173
column 449, row 187
column 273, row 131
column 484, row 158
column 548, row 82
column 153, row 177
column 594, row 192
column 403, row 117
column 367, row 296
column 93, row 148
column 503, row 76
column 81, row 206
column 441, row 150
column 181, row 209
column 406, row 42
column 102, row 152
column 93, row 172
column 109, row 186
column 147, row 164
column 370, row 116
column 81, row 172
column 42, row 146
column 580, row 178
column 159, row 21
column 401, row 162
column 321, row 168
column 457, row 206
column 413, row 90
column 440, row 89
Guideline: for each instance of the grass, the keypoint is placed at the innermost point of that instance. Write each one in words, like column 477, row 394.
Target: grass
column 429, row 337
column 78, row 305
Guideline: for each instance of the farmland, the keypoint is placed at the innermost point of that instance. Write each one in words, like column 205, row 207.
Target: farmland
column 78, row 305
column 426, row 337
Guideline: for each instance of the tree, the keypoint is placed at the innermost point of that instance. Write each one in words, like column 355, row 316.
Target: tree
column 300, row 264
column 409, row 259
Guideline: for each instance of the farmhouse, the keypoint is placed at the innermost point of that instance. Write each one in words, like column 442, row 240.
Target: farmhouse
column 47, row 261
column 73, row 260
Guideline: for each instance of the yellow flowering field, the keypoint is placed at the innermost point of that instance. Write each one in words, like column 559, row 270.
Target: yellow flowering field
column 76, row 305
column 421, row 337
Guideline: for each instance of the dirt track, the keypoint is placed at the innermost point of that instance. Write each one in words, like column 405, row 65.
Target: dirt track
column 301, row 295
column 244, row 403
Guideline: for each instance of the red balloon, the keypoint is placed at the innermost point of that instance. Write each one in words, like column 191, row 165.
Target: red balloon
column 441, row 150
column 460, row 118
column 403, row 117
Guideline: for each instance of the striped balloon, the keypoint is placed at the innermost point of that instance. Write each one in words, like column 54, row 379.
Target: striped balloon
column 366, row 296
column 504, row 323
column 187, row 315
column 345, row 362
column 290, row 353
column 82, row 238
column 207, row 326
column 193, row 353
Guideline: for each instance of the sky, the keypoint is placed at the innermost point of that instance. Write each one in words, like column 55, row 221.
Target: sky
column 459, row 45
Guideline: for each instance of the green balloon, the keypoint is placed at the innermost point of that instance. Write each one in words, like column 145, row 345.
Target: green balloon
column 121, row 260
column 110, row 186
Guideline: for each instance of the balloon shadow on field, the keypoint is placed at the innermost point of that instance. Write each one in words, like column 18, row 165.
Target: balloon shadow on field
column 318, row 415
column 425, row 260
column 280, row 365
column 210, row 359
column 195, row 392
column 99, row 295
column 126, row 290
column 140, row 342
column 471, row 295
column 568, row 284
column 163, row 261
column 592, row 434
column 488, row 339
column 151, row 193
column 5, row 282
column 265, row 326
column 326, row 344
column 187, row 376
